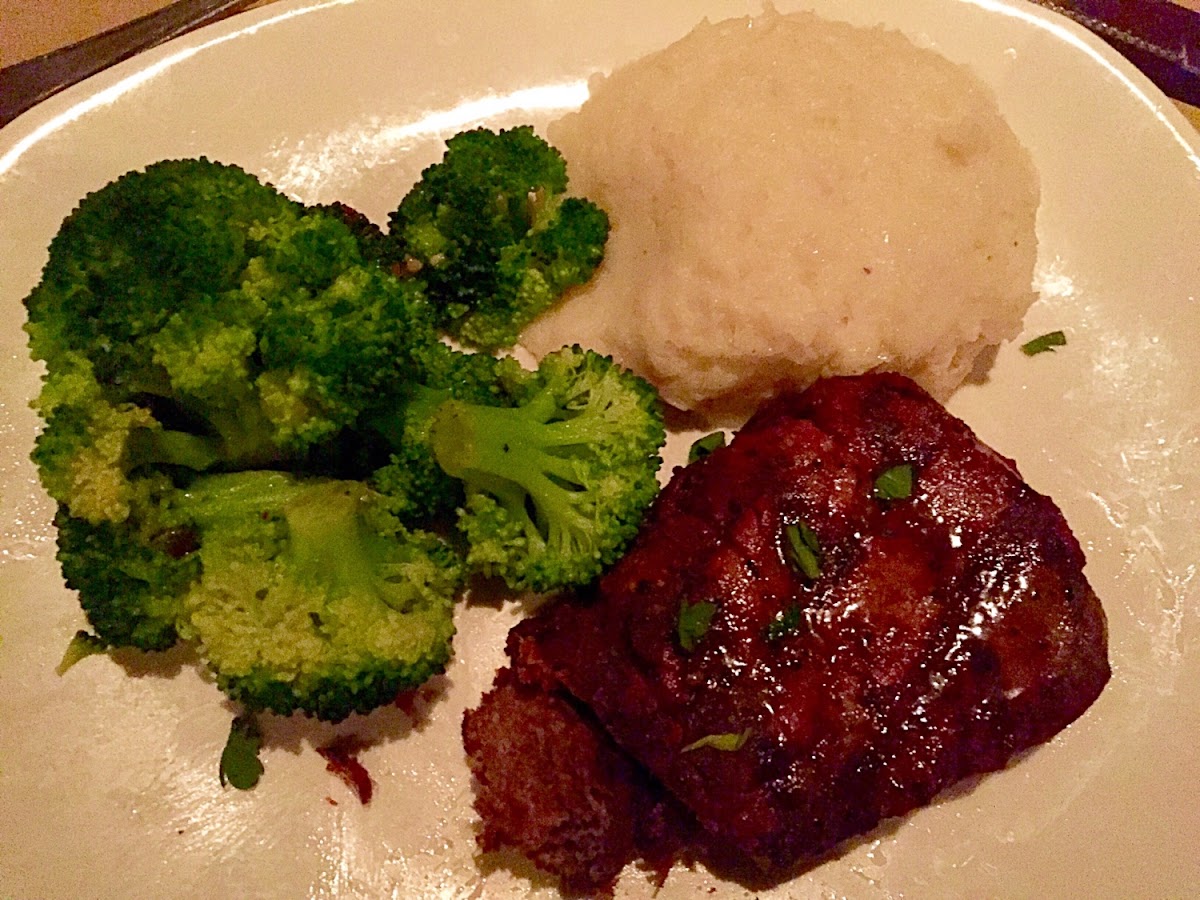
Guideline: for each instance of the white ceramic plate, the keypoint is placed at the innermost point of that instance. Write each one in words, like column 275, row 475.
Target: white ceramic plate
column 108, row 782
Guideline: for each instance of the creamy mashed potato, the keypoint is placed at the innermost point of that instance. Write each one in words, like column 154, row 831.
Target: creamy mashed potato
column 793, row 198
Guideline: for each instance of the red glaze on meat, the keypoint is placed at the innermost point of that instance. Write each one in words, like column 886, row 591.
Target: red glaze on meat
column 945, row 632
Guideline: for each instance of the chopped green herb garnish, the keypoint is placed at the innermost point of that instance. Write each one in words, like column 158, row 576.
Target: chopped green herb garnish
column 1045, row 342
column 802, row 549
column 240, row 765
column 82, row 646
column 702, row 447
column 784, row 623
column 895, row 483
column 694, row 619
column 728, row 741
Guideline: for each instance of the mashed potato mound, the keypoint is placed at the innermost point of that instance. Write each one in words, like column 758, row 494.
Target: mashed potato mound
column 793, row 198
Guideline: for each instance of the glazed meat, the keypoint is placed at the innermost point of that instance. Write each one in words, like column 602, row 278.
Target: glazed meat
column 794, row 657
column 551, row 783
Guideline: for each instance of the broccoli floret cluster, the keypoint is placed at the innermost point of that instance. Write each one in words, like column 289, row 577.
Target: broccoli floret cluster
column 555, row 485
column 260, row 442
column 338, row 585
column 494, row 237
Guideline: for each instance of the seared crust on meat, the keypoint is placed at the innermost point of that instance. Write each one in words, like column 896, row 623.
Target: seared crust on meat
column 938, row 635
column 551, row 783
column 564, row 794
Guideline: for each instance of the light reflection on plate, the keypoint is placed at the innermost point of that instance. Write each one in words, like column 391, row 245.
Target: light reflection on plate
column 107, row 776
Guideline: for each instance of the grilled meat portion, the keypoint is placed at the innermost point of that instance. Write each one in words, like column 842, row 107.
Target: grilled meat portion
column 795, row 658
column 551, row 783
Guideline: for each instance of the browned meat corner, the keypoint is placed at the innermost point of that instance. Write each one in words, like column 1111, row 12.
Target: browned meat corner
column 903, row 645
column 553, row 785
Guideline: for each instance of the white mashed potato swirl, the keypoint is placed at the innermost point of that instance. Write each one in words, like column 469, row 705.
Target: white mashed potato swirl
column 793, row 198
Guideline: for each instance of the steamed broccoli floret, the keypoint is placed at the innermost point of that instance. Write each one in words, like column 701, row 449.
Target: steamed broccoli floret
column 556, row 485
column 415, row 486
column 251, row 423
column 311, row 595
column 496, row 240
column 131, row 577
column 97, row 457
column 301, row 594
column 223, row 311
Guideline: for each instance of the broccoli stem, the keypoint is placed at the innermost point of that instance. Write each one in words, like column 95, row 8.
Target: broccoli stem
column 502, row 440
column 239, row 435
column 507, row 452
column 167, row 447
column 473, row 440
column 327, row 542
column 416, row 405
column 245, row 437
column 173, row 448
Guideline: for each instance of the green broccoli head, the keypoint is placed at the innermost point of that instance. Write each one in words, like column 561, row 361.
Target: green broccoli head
column 412, row 483
column 130, row 576
column 224, row 308
column 311, row 596
column 496, row 241
column 253, row 431
column 100, row 459
column 556, row 485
